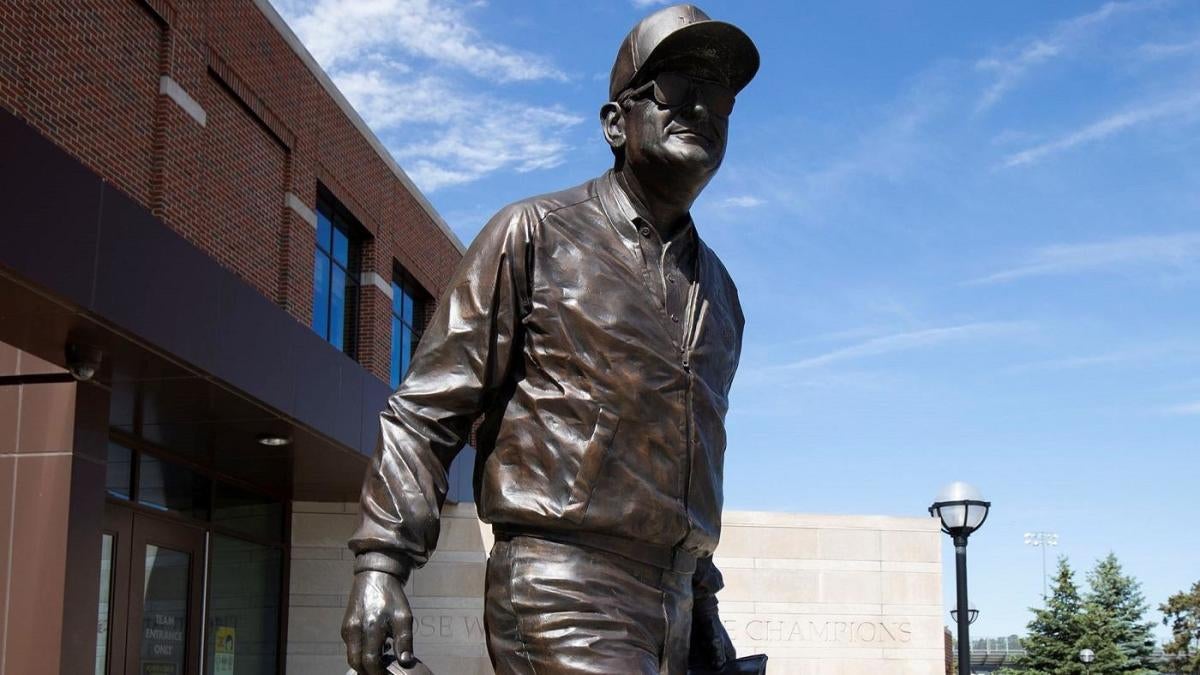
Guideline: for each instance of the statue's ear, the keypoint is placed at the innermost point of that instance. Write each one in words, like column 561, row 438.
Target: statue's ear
column 612, row 121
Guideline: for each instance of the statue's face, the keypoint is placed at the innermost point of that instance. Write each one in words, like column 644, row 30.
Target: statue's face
column 683, row 134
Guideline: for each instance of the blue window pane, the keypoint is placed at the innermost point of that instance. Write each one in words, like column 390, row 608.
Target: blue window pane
column 406, row 349
column 337, row 308
column 407, row 312
column 320, row 320
column 341, row 248
column 397, row 328
column 324, row 230
column 397, row 297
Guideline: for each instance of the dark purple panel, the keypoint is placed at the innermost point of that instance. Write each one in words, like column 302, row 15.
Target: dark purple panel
column 254, row 345
column 153, row 283
column 347, row 426
column 375, row 395
column 52, row 209
column 319, row 369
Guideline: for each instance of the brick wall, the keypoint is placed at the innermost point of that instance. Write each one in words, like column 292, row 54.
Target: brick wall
column 244, row 122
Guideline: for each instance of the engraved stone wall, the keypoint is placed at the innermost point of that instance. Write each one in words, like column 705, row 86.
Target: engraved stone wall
column 822, row 595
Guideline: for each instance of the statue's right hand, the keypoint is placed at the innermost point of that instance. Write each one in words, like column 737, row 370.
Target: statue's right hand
column 378, row 608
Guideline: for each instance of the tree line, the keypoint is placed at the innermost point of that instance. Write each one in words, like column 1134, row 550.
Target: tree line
column 1109, row 618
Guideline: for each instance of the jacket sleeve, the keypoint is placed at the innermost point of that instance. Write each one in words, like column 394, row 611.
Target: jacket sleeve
column 464, row 358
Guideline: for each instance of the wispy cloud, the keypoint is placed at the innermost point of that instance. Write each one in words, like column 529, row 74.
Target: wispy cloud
column 907, row 341
column 341, row 32
column 1166, row 50
column 466, row 126
column 740, row 202
column 507, row 136
column 1192, row 408
column 1180, row 106
column 1168, row 249
column 643, row 4
column 889, row 151
column 1166, row 352
column 1015, row 62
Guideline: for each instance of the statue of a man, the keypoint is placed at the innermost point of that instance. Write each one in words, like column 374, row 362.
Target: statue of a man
column 597, row 336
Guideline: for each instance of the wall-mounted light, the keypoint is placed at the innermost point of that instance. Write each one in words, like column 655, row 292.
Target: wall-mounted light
column 274, row 440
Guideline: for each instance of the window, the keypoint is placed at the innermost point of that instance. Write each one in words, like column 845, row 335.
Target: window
column 335, row 276
column 407, row 306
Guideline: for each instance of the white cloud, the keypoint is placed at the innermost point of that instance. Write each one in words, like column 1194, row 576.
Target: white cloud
column 1011, row 67
column 1138, row 357
column 341, row 32
column 906, row 341
column 1188, row 105
column 459, row 136
column 410, row 69
column 740, row 202
column 1170, row 249
column 493, row 136
column 643, row 4
column 1168, row 50
column 891, row 151
column 1192, row 408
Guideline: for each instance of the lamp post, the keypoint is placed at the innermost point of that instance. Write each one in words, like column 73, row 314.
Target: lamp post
column 972, row 614
column 962, row 510
column 1087, row 656
column 1044, row 540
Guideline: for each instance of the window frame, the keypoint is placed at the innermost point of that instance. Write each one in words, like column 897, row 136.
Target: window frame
column 340, row 223
column 408, row 299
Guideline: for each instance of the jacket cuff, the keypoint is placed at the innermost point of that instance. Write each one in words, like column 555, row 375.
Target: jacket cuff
column 394, row 564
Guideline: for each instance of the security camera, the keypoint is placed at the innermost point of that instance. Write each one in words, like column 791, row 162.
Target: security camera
column 83, row 361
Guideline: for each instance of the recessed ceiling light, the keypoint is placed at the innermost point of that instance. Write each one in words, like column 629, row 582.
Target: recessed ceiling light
column 273, row 440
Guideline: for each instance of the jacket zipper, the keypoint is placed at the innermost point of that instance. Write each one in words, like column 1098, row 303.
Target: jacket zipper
column 691, row 337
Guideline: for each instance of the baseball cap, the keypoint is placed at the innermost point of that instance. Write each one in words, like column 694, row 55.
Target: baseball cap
column 679, row 37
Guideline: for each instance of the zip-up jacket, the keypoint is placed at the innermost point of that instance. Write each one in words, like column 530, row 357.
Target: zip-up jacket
column 601, row 414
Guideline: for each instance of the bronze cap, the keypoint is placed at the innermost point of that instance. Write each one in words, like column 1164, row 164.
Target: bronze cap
column 683, row 37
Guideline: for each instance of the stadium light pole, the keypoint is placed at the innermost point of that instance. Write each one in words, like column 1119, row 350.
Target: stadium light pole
column 962, row 511
column 1044, row 540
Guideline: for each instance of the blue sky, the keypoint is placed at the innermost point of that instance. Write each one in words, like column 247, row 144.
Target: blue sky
column 966, row 236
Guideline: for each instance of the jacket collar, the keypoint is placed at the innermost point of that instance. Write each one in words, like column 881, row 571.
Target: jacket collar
column 627, row 212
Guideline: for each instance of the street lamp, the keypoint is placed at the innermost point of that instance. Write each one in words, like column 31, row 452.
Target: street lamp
column 1044, row 540
column 962, row 510
column 972, row 614
column 1087, row 656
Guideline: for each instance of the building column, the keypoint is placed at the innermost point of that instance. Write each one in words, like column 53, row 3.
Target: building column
column 53, row 444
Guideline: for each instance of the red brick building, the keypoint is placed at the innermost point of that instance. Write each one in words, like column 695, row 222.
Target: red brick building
column 194, row 212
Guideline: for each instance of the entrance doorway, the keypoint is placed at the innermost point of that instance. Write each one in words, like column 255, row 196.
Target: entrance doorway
column 152, row 600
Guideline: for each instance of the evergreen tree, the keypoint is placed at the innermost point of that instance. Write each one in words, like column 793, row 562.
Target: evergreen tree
column 1181, row 613
column 1101, row 634
column 1055, row 631
column 1115, row 625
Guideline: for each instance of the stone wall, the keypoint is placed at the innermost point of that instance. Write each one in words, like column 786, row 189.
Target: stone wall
column 446, row 595
column 822, row 595
column 834, row 595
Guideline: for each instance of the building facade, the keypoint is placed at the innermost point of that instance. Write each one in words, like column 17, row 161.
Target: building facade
column 201, row 229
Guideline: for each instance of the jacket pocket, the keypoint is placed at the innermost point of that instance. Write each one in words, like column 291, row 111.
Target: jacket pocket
column 590, row 465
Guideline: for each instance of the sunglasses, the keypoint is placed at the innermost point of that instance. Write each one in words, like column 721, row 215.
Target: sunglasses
column 673, row 90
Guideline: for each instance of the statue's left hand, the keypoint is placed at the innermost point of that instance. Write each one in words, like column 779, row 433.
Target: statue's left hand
column 378, row 608
column 710, row 646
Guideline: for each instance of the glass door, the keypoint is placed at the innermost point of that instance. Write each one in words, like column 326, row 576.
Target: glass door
column 155, row 589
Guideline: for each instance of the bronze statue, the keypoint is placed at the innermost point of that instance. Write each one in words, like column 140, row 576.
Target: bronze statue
column 597, row 336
